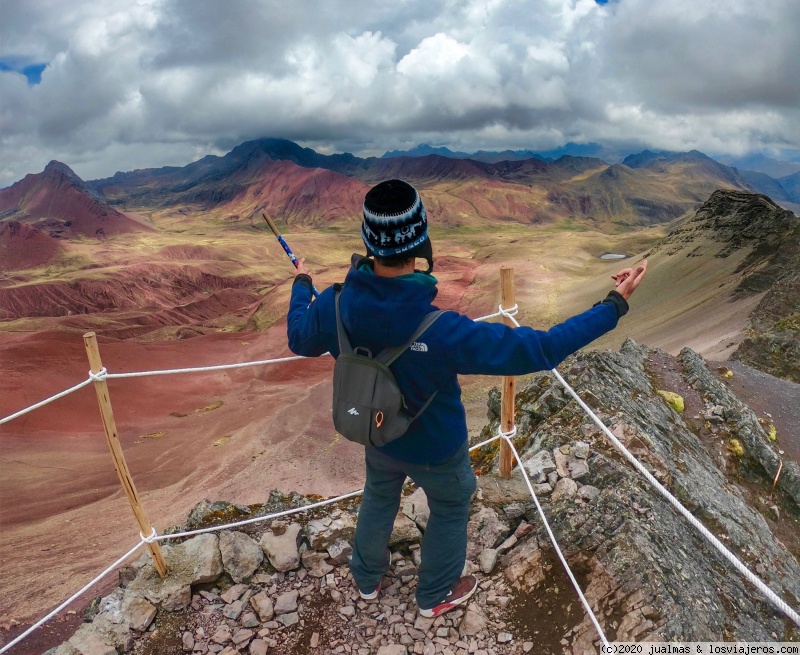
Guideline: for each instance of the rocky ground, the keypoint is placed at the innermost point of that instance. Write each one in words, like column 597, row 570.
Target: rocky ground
column 283, row 586
column 287, row 589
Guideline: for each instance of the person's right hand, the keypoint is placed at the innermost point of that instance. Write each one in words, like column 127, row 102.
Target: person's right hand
column 628, row 279
column 301, row 268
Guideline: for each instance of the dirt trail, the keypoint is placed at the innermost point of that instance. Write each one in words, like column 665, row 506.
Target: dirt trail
column 771, row 398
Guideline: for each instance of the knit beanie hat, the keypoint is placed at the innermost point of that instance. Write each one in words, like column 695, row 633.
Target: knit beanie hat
column 395, row 225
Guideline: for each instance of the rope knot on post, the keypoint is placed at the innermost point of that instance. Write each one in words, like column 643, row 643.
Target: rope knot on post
column 100, row 376
column 151, row 539
column 509, row 313
column 508, row 436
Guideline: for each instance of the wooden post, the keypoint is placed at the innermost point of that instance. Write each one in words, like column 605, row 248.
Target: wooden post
column 508, row 388
column 112, row 436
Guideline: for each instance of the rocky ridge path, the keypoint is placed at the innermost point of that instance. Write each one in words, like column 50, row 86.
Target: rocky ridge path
column 284, row 587
column 289, row 591
column 772, row 399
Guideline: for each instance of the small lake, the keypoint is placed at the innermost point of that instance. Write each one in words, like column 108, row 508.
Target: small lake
column 613, row 255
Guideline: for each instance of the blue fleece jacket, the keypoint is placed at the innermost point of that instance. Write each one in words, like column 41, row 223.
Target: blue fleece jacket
column 380, row 312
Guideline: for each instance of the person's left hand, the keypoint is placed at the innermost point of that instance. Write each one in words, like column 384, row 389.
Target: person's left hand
column 628, row 279
column 301, row 268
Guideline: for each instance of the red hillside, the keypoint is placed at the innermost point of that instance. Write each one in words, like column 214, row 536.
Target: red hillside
column 60, row 204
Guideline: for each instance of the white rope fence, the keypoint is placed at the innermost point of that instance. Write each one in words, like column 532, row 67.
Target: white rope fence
column 46, row 401
column 199, row 369
column 550, row 534
column 509, row 313
column 776, row 600
column 154, row 536
column 74, row 596
column 103, row 374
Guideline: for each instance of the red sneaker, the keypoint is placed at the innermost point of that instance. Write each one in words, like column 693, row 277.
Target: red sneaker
column 459, row 594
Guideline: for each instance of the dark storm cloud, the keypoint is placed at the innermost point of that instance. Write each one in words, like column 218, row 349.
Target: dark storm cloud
column 165, row 81
column 690, row 56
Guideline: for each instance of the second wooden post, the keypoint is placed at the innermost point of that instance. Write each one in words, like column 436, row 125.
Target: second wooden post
column 110, row 428
column 508, row 388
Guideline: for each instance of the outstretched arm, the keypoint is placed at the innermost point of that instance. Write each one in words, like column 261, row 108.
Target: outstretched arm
column 495, row 349
column 303, row 323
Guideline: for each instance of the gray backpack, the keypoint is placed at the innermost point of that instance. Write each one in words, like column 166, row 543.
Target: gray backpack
column 368, row 406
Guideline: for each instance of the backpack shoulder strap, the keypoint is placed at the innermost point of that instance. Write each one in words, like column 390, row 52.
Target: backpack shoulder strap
column 388, row 355
column 344, row 342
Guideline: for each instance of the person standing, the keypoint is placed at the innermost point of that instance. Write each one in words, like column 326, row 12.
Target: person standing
column 382, row 302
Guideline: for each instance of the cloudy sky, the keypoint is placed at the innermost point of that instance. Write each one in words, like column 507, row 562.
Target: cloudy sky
column 121, row 84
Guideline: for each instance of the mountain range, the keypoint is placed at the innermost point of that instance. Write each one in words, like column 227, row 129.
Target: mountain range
column 174, row 254
column 763, row 174
column 571, row 149
column 644, row 189
column 304, row 188
column 759, row 163
column 173, row 267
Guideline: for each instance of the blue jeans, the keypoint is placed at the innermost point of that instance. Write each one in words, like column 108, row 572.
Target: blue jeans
column 449, row 487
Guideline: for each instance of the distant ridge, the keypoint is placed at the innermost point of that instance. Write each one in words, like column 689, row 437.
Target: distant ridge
column 769, row 186
column 592, row 150
column 759, row 163
column 648, row 158
column 486, row 156
column 791, row 184
column 670, row 161
column 424, row 149
column 648, row 188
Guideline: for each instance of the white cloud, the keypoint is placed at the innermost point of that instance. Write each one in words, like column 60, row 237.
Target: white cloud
column 435, row 57
column 157, row 82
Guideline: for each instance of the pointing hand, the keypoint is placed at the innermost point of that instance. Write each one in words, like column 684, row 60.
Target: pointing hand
column 628, row 279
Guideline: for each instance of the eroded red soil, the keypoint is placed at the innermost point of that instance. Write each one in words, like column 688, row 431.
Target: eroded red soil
column 153, row 286
column 60, row 496
column 23, row 246
column 232, row 435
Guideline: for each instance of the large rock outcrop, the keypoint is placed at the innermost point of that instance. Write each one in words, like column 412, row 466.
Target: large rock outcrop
column 773, row 342
column 633, row 547
column 766, row 238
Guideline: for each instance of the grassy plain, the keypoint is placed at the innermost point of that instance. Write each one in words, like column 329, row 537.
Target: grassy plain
column 550, row 259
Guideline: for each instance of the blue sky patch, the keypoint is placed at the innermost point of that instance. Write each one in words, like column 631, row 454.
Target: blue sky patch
column 31, row 71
